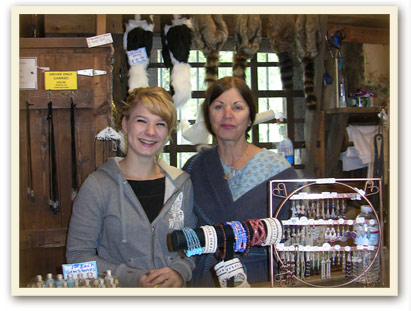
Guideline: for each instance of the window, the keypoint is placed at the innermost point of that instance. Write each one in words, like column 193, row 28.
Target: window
column 263, row 77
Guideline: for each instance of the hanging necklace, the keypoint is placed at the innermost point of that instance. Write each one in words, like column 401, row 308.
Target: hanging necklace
column 234, row 163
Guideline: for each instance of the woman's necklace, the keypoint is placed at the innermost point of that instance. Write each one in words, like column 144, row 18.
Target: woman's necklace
column 234, row 164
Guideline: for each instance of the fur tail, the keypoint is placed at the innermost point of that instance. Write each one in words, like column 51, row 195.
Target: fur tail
column 137, row 76
column 239, row 65
column 180, row 81
column 211, row 68
column 309, row 91
column 286, row 70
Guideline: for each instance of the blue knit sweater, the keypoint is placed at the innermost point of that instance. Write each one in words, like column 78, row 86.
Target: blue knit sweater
column 213, row 203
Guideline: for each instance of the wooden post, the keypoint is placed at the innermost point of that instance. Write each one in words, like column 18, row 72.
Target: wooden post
column 101, row 26
column 312, row 116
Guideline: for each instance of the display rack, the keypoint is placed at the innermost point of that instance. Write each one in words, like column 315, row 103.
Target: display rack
column 318, row 246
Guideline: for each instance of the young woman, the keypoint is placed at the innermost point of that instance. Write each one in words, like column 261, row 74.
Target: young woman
column 127, row 207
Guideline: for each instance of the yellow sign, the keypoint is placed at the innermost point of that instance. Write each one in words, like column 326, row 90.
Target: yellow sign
column 60, row 80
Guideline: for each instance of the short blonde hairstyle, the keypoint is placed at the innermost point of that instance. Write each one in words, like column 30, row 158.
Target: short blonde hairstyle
column 157, row 100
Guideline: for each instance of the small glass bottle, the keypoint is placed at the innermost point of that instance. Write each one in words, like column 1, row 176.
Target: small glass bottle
column 70, row 280
column 90, row 277
column 367, row 239
column 39, row 283
column 108, row 279
column 101, row 283
column 81, row 280
column 49, row 280
column 59, row 280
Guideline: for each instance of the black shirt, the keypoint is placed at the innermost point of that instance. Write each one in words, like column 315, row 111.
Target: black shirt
column 150, row 193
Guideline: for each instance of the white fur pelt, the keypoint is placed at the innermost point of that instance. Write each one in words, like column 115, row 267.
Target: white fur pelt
column 138, row 34
column 180, row 81
column 137, row 76
column 176, row 38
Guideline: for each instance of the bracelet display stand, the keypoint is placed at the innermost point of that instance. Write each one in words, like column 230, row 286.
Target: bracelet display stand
column 317, row 237
column 232, row 237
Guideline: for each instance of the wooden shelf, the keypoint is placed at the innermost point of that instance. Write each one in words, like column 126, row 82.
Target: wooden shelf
column 353, row 110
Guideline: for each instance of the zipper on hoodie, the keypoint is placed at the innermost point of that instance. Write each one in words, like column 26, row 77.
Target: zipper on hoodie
column 152, row 247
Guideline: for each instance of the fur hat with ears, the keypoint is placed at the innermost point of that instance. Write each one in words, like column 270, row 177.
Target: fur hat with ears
column 247, row 38
column 138, row 42
column 176, row 36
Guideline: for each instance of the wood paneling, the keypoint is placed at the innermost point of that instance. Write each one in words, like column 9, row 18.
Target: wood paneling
column 42, row 231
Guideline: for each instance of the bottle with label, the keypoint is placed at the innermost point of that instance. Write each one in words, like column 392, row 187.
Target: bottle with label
column 39, row 283
column 367, row 239
column 70, row 280
column 286, row 148
column 59, row 280
column 49, row 280
column 108, row 279
column 81, row 280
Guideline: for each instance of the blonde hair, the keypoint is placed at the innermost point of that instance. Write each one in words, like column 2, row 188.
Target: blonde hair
column 157, row 100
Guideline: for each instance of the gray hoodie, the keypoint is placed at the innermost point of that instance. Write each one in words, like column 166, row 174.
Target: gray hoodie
column 108, row 225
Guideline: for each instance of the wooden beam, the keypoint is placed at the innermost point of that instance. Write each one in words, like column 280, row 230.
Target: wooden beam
column 312, row 116
column 362, row 34
column 101, row 24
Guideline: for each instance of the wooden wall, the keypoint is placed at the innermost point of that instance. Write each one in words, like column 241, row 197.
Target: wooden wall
column 43, row 230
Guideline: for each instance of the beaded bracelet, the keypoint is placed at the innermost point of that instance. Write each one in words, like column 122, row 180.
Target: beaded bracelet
column 240, row 236
column 224, row 251
column 248, row 245
column 259, row 234
column 193, row 243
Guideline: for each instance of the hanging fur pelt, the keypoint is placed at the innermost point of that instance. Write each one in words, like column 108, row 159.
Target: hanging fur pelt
column 176, row 37
column 210, row 34
column 138, row 34
column 247, row 38
column 281, row 33
column 307, row 29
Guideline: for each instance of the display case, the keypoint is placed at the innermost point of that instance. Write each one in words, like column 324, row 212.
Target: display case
column 334, row 236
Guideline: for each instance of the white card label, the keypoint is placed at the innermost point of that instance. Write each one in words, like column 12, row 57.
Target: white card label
column 137, row 56
column 83, row 267
column 99, row 40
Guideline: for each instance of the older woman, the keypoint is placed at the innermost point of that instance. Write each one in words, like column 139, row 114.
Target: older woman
column 127, row 207
column 230, row 179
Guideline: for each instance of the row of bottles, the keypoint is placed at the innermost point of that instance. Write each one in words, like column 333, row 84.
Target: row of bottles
column 366, row 224
column 107, row 280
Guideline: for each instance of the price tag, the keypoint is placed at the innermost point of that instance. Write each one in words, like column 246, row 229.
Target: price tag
column 372, row 222
column 350, row 222
column 337, row 247
column 341, row 221
column 320, row 221
column 360, row 247
column 330, row 221
column 99, row 40
column 137, row 56
column 371, row 247
column 303, row 220
column 83, row 267
column 360, row 220
column 347, row 248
